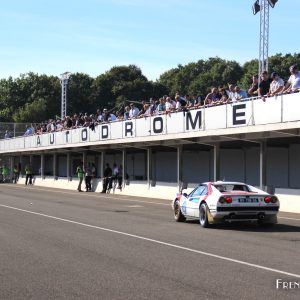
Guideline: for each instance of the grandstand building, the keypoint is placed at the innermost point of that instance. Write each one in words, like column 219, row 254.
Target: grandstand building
column 253, row 141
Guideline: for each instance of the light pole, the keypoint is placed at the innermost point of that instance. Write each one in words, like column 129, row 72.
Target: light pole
column 263, row 7
column 64, row 79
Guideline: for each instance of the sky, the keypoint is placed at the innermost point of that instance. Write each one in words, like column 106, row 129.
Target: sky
column 91, row 36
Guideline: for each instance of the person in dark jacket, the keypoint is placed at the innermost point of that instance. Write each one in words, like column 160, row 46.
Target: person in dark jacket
column 107, row 175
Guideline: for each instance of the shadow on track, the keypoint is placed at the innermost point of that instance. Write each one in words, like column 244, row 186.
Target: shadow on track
column 250, row 227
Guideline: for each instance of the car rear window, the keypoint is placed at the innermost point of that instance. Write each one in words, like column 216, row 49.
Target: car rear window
column 231, row 187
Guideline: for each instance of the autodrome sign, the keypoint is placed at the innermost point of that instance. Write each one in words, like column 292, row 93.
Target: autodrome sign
column 149, row 126
column 248, row 113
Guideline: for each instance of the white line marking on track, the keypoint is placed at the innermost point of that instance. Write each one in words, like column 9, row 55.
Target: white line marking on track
column 157, row 242
column 96, row 195
column 289, row 218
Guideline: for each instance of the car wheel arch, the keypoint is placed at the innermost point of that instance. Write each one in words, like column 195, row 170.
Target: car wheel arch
column 203, row 201
column 179, row 216
column 209, row 216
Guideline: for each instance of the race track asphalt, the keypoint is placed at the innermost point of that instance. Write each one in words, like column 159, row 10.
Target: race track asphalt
column 59, row 244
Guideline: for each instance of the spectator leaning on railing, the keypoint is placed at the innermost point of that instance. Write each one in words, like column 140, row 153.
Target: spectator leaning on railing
column 239, row 94
column 276, row 86
column 189, row 101
column 142, row 110
column 252, row 91
column 29, row 131
column 170, row 105
column 223, row 96
column 178, row 104
column 293, row 84
column 8, row 135
column 231, row 92
column 161, row 108
column 267, row 87
column 152, row 105
column 133, row 112
column 196, row 100
column 145, row 111
column 264, row 86
column 213, row 97
column 126, row 113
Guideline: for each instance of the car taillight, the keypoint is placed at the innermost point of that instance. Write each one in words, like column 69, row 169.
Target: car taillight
column 222, row 200
column 228, row 199
column 274, row 199
column 267, row 199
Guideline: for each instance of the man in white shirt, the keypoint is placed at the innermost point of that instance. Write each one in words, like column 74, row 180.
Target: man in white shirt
column 115, row 170
column 134, row 111
column 231, row 92
column 293, row 84
column 170, row 106
column 276, row 86
column 59, row 126
column 178, row 104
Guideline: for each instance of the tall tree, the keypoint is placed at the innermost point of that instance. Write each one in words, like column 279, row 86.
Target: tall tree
column 80, row 96
column 197, row 78
column 122, row 83
column 15, row 93
column 36, row 111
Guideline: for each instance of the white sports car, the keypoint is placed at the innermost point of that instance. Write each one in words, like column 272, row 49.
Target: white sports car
column 217, row 202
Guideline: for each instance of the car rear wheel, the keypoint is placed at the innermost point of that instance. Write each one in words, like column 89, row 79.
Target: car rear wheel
column 203, row 215
column 179, row 217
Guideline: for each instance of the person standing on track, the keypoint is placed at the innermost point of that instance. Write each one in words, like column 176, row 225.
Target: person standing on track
column 107, row 175
column 29, row 174
column 80, row 174
column 114, row 177
column 5, row 173
column 88, row 178
column 15, row 174
column 120, row 177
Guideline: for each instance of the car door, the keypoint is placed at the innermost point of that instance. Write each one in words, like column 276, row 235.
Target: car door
column 193, row 200
column 203, row 195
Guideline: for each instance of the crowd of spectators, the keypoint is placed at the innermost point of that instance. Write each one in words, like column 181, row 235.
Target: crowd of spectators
column 268, row 87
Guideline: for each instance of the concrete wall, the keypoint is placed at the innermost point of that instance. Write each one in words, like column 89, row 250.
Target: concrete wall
column 289, row 200
column 294, row 166
column 166, row 166
column 136, row 166
column 277, row 167
column 252, row 166
column 62, row 165
column 48, row 169
column 196, row 167
column 232, row 165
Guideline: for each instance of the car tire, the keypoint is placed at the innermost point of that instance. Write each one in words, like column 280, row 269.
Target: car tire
column 203, row 215
column 179, row 217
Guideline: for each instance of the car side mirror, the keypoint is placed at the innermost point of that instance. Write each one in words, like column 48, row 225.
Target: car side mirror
column 185, row 195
